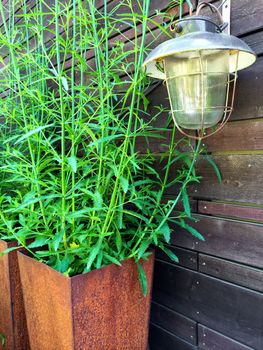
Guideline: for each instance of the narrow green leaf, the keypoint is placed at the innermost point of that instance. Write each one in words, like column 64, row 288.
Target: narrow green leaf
column 165, row 230
column 73, row 163
column 118, row 240
column 112, row 259
column 136, row 215
column 93, row 254
column 214, row 166
column 9, row 250
column 124, row 184
column 82, row 213
column 39, row 242
column 99, row 260
column 32, row 132
column 143, row 247
column 171, row 255
column 186, row 202
column 105, row 139
column 64, row 83
column 97, row 200
column 57, row 239
column 142, row 279
column 194, row 232
column 32, row 201
column 64, row 264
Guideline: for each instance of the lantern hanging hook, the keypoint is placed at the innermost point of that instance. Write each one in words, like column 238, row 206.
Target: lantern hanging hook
column 214, row 9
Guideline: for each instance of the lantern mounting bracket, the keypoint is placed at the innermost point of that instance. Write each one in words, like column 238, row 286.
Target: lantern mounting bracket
column 226, row 13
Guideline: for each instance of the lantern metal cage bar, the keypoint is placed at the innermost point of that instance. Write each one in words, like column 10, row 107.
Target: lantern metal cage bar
column 227, row 108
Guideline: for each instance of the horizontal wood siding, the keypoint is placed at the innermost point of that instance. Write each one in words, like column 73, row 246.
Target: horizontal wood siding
column 211, row 340
column 242, row 179
column 230, row 239
column 229, row 309
column 174, row 322
column 217, row 287
column 160, row 339
column 243, row 275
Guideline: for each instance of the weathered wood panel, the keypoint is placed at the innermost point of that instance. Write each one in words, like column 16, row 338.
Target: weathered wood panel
column 174, row 322
column 246, row 16
column 233, row 240
column 242, row 179
column 230, row 210
column 249, row 92
column 163, row 340
column 235, row 273
column 234, row 311
column 246, row 135
column 237, row 136
column 255, row 41
column 211, row 340
column 187, row 258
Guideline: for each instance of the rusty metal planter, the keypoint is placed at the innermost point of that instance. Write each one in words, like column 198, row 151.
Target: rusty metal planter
column 100, row 310
column 12, row 313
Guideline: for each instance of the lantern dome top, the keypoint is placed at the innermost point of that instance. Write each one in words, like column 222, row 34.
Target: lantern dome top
column 198, row 34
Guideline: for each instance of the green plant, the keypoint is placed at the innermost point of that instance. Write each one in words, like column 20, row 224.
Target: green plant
column 72, row 180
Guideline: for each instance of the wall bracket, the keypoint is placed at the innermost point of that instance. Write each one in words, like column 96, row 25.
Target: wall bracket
column 226, row 13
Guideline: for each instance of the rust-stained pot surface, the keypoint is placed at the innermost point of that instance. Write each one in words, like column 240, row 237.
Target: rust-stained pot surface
column 12, row 313
column 100, row 310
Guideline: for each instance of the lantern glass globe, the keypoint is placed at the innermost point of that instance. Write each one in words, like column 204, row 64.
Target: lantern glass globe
column 197, row 87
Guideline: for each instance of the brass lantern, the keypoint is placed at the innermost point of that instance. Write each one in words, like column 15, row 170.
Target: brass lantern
column 200, row 69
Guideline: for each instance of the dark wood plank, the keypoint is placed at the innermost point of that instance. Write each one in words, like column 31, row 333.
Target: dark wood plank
column 255, row 41
column 237, row 136
column 242, row 179
column 233, row 240
column 211, row 340
column 246, row 16
column 187, row 258
column 229, row 309
column 230, row 210
column 246, row 135
column 163, row 340
column 249, row 92
column 232, row 272
column 174, row 322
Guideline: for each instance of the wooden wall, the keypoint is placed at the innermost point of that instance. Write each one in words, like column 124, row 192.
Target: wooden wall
column 213, row 299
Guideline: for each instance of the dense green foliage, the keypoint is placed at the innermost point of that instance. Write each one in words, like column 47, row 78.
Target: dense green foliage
column 75, row 103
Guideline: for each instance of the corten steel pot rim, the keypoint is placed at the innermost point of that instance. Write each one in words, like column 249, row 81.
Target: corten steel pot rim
column 25, row 255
